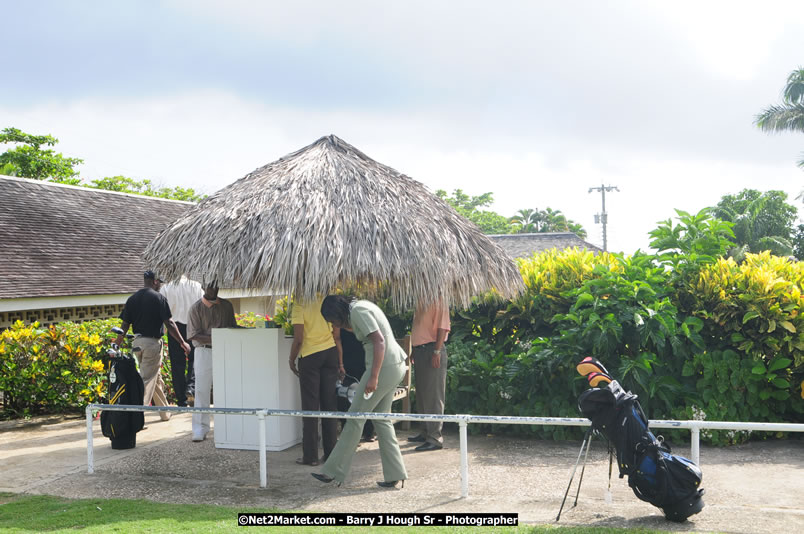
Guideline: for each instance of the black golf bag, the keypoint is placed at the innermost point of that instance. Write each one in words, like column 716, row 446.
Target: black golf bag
column 667, row 481
column 125, row 387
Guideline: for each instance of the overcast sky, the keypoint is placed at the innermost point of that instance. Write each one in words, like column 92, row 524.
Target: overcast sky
column 533, row 101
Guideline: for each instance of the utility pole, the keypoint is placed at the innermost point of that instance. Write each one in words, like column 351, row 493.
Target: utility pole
column 603, row 217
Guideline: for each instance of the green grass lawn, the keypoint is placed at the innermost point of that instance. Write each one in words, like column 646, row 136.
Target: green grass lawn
column 40, row 513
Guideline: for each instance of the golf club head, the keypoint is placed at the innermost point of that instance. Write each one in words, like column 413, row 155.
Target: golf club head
column 597, row 379
column 590, row 365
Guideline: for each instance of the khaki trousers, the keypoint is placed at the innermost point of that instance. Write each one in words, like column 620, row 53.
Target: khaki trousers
column 150, row 360
column 340, row 460
column 431, row 385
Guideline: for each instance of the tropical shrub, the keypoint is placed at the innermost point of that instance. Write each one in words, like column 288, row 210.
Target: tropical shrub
column 754, row 332
column 615, row 308
column 54, row 369
column 539, row 382
column 548, row 277
column 58, row 369
column 625, row 317
column 696, row 337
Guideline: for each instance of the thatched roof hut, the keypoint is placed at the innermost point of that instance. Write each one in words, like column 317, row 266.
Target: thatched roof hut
column 328, row 216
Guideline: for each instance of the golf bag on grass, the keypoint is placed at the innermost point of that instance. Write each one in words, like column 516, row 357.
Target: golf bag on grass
column 665, row 480
column 125, row 387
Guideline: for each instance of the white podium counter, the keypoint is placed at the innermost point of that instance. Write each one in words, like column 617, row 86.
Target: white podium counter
column 250, row 370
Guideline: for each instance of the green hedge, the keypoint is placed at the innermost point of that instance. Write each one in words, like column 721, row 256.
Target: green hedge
column 714, row 340
column 55, row 369
column 58, row 369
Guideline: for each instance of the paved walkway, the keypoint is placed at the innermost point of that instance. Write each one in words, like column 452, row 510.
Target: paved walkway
column 752, row 488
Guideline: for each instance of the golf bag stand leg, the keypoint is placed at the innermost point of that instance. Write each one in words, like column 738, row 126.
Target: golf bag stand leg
column 587, row 439
column 583, row 467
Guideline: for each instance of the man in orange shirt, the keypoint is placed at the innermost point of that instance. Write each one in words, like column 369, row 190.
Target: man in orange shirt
column 429, row 333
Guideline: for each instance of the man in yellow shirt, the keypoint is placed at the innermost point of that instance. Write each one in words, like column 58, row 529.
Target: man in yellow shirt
column 317, row 346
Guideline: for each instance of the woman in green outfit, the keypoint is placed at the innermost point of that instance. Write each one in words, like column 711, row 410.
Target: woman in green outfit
column 385, row 368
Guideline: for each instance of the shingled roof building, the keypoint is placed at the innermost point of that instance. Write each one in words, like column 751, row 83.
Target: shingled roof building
column 525, row 245
column 72, row 253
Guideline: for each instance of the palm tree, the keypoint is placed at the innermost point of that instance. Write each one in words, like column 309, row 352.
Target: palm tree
column 542, row 221
column 576, row 228
column 527, row 221
column 788, row 116
column 554, row 221
column 762, row 221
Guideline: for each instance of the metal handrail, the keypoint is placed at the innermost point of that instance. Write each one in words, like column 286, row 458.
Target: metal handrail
column 462, row 419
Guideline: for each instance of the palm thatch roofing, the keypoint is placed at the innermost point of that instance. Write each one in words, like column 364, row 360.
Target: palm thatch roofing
column 328, row 216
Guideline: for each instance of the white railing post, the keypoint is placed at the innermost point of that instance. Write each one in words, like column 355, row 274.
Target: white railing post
column 464, row 459
column 263, row 461
column 695, row 445
column 90, row 444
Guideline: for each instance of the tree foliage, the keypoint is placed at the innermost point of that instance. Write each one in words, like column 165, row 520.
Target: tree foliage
column 695, row 334
column 695, row 238
column 29, row 160
column 762, row 221
column 528, row 221
column 789, row 115
column 714, row 340
column 798, row 242
column 470, row 207
column 124, row 184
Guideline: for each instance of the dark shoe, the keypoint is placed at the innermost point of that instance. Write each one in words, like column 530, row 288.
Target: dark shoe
column 417, row 439
column 323, row 478
column 301, row 461
column 368, row 439
column 429, row 446
column 391, row 484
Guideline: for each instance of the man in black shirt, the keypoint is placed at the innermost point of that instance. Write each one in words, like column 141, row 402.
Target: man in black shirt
column 148, row 312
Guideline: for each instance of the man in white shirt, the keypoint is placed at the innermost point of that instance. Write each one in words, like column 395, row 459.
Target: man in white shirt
column 180, row 296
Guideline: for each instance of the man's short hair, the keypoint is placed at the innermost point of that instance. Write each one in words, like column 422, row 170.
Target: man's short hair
column 150, row 275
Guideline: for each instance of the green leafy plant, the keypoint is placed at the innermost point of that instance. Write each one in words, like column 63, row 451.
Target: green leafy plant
column 282, row 318
column 54, row 369
column 250, row 319
column 29, row 160
column 687, row 330
column 58, row 369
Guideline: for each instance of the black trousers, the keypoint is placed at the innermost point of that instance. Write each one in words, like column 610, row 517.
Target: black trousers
column 318, row 373
column 181, row 367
